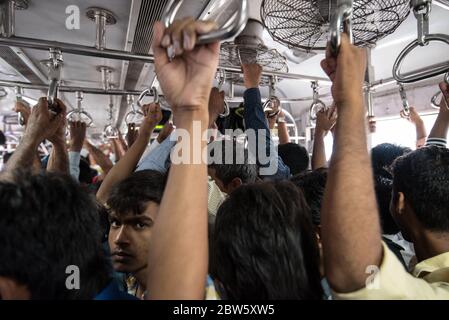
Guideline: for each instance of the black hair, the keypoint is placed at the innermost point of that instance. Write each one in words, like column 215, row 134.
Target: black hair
column 265, row 246
column 132, row 194
column 2, row 138
column 383, row 188
column 294, row 156
column 87, row 174
column 423, row 177
column 238, row 162
column 47, row 223
column 312, row 185
column 383, row 156
column 7, row 156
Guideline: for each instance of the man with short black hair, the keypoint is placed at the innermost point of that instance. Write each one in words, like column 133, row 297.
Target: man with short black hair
column 264, row 246
column 51, row 241
column 233, row 168
column 420, row 202
column 134, row 205
column 296, row 157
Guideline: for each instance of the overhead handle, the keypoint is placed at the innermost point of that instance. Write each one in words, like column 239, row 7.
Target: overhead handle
column 227, row 32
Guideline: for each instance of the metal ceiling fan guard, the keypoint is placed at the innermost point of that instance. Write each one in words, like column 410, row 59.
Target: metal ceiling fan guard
column 304, row 24
column 249, row 48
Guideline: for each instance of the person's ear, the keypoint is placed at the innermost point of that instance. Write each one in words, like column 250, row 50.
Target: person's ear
column 11, row 290
column 234, row 184
column 400, row 204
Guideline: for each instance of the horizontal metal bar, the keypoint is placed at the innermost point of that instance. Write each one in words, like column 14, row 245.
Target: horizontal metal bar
column 391, row 81
column 442, row 3
column 41, row 87
column 76, row 49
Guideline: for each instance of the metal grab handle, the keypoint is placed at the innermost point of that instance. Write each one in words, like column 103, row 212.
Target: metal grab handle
column 110, row 132
column 130, row 117
column 341, row 16
column 54, row 65
column 433, row 100
column 80, row 114
column 419, row 75
column 152, row 91
column 20, row 118
column 157, row 99
column 225, row 33
column 134, row 113
column 52, row 94
column 316, row 107
column 267, row 106
column 79, row 111
column 405, row 105
column 221, row 80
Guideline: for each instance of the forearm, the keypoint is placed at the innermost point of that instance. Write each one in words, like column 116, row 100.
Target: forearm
column 100, row 158
column 420, row 130
column 59, row 159
column 441, row 127
column 319, row 151
column 284, row 138
column 180, row 273
column 263, row 150
column 22, row 158
column 350, row 223
column 74, row 164
column 116, row 150
column 421, row 133
column 158, row 157
column 122, row 169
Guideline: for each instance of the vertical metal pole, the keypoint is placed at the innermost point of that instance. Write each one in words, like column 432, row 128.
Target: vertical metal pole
column 231, row 90
column 7, row 18
column 79, row 100
column 100, row 21
column 369, row 79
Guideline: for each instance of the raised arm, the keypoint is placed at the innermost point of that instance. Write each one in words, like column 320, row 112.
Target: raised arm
column 41, row 125
column 255, row 120
column 178, row 256
column 438, row 134
column 128, row 163
column 59, row 158
column 420, row 128
column 283, row 135
column 350, row 222
column 99, row 157
column 77, row 136
column 325, row 121
column 117, row 148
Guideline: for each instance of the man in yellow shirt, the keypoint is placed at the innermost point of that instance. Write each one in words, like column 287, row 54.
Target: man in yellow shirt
column 357, row 264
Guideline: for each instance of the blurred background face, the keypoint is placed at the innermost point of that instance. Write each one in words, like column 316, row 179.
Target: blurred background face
column 129, row 239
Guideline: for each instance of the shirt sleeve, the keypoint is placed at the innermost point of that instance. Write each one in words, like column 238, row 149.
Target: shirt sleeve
column 159, row 158
column 273, row 167
column 74, row 164
column 439, row 142
column 392, row 282
column 153, row 145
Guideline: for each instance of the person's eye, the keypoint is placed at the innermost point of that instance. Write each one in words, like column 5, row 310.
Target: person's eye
column 140, row 225
column 115, row 223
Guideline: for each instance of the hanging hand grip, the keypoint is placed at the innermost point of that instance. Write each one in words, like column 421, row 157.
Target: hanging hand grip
column 227, row 32
column 341, row 16
column 420, row 74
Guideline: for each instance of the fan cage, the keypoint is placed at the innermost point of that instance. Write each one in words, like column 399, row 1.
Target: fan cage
column 304, row 24
column 234, row 55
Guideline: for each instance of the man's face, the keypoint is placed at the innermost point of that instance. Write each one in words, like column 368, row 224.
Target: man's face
column 129, row 239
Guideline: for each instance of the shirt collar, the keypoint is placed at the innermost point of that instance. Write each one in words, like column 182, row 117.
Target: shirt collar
column 430, row 265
